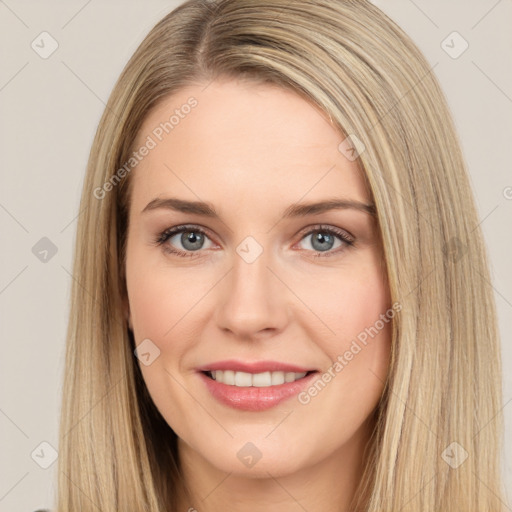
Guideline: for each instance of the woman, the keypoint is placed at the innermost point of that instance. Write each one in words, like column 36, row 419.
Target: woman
column 280, row 293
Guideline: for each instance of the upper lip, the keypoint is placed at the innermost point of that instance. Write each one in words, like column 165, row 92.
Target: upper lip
column 254, row 366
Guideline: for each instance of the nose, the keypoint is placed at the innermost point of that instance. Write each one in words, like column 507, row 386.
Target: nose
column 254, row 302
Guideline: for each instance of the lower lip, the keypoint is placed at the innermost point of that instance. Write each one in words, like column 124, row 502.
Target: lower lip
column 254, row 398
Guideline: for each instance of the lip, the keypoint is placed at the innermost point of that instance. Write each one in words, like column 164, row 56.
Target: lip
column 254, row 398
column 254, row 366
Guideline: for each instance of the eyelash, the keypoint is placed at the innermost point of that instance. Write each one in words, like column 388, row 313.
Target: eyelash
column 163, row 236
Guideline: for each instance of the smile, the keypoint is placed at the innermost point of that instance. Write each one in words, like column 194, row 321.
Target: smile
column 254, row 386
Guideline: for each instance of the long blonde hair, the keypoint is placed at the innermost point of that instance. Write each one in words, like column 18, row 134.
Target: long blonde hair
column 444, row 386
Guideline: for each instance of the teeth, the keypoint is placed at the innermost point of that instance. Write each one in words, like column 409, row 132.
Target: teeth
column 259, row 380
column 228, row 377
column 277, row 378
column 242, row 379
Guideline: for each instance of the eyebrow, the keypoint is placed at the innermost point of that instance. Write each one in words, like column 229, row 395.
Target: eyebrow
column 294, row 210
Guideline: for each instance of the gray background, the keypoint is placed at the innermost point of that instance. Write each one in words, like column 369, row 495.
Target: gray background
column 49, row 112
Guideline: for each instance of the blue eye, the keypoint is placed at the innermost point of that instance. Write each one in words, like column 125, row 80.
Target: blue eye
column 192, row 239
column 323, row 240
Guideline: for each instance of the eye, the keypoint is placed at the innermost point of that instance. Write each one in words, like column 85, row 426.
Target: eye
column 187, row 241
column 191, row 239
column 322, row 239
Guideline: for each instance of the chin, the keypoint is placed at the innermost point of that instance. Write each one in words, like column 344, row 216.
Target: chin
column 256, row 459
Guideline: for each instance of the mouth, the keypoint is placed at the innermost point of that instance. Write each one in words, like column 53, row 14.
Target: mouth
column 257, row 380
column 255, row 386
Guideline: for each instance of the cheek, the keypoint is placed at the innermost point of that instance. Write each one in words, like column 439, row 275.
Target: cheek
column 161, row 298
column 161, row 305
column 365, row 325
column 358, row 304
column 347, row 302
column 356, row 308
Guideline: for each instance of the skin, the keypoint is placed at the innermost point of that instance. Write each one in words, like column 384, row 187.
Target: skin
column 252, row 150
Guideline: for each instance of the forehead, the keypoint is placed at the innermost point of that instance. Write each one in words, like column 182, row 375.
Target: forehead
column 258, row 141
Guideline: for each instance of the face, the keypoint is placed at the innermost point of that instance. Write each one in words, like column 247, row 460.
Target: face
column 286, row 307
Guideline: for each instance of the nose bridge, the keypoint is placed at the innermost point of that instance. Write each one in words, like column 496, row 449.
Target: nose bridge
column 253, row 299
column 250, row 270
